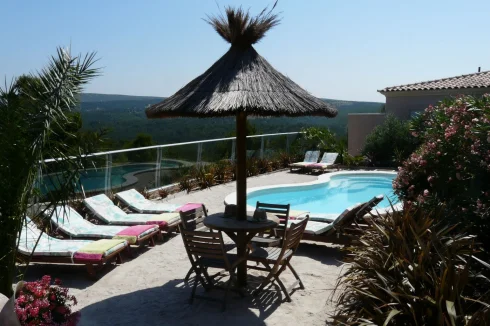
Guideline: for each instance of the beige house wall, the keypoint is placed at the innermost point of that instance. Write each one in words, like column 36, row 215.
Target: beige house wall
column 404, row 104
column 359, row 125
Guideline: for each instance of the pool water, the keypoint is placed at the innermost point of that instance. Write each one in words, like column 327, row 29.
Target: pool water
column 94, row 179
column 334, row 196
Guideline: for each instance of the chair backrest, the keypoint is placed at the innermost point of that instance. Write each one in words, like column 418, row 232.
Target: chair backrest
column 207, row 244
column 293, row 235
column 368, row 206
column 280, row 210
column 193, row 219
column 347, row 217
column 329, row 158
column 131, row 196
column 312, row 156
column 102, row 207
column 70, row 221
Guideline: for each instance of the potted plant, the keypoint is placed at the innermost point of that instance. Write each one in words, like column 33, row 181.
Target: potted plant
column 43, row 303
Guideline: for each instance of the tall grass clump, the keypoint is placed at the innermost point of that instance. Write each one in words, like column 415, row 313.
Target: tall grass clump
column 409, row 270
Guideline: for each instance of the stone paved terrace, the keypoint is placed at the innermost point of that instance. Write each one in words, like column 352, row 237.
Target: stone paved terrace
column 149, row 289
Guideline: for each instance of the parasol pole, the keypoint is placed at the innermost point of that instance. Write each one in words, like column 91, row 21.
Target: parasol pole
column 241, row 166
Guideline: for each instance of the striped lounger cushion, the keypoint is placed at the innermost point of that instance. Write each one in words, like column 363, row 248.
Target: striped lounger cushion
column 134, row 233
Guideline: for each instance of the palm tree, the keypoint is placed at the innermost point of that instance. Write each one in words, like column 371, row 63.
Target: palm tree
column 35, row 124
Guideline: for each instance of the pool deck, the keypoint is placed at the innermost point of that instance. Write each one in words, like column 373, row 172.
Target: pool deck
column 149, row 289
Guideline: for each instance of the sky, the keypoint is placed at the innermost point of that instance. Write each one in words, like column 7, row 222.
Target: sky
column 333, row 48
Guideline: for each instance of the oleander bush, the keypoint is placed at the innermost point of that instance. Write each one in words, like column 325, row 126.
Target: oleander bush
column 409, row 270
column 452, row 166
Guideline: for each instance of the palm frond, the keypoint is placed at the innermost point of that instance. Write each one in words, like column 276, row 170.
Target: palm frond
column 35, row 124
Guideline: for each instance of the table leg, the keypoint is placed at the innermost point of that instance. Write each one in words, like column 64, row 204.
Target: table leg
column 241, row 247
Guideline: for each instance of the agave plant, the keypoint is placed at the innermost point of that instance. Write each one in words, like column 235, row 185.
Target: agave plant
column 223, row 171
column 406, row 270
column 36, row 124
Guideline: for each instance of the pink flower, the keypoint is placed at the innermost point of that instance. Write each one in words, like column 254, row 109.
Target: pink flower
column 426, row 193
column 34, row 311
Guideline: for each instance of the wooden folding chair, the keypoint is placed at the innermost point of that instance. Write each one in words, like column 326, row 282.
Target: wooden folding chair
column 273, row 239
column 279, row 259
column 206, row 249
column 192, row 220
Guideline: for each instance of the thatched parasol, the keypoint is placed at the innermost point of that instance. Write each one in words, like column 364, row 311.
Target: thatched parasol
column 241, row 83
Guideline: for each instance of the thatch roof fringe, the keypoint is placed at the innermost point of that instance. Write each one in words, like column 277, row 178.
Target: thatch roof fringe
column 239, row 29
column 241, row 81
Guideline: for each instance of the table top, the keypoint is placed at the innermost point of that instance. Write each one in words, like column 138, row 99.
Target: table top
column 219, row 222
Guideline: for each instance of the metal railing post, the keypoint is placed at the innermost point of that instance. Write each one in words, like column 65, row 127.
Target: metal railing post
column 158, row 167
column 261, row 147
column 108, row 172
column 199, row 154
column 233, row 149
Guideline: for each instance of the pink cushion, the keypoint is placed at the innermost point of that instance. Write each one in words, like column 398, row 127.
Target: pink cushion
column 84, row 257
column 188, row 207
column 161, row 224
column 316, row 165
column 136, row 230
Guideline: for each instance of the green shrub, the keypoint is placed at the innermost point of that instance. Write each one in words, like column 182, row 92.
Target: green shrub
column 408, row 271
column 141, row 140
column 452, row 166
column 353, row 161
column 390, row 143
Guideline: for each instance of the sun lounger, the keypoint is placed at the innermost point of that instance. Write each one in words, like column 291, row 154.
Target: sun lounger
column 310, row 158
column 52, row 250
column 344, row 228
column 138, row 203
column 329, row 217
column 75, row 226
column 104, row 209
column 327, row 161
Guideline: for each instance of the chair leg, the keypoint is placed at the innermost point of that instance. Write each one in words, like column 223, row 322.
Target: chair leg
column 264, row 282
column 228, row 284
column 91, row 271
column 208, row 279
column 152, row 242
column 283, row 288
column 296, row 275
column 188, row 275
column 194, row 287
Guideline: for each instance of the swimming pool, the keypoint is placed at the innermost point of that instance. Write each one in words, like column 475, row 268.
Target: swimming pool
column 121, row 175
column 331, row 193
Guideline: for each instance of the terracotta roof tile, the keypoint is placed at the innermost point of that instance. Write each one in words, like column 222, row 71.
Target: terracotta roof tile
column 476, row 80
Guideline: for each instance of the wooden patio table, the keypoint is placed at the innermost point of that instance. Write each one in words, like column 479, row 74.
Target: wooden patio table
column 241, row 232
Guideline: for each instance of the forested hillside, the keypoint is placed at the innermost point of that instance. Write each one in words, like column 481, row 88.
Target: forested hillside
column 125, row 117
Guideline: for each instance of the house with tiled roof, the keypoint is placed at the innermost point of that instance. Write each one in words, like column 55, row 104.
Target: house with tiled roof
column 404, row 101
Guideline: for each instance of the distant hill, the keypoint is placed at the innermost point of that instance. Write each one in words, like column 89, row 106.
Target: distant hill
column 125, row 116
column 94, row 97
